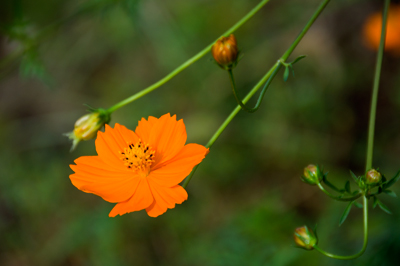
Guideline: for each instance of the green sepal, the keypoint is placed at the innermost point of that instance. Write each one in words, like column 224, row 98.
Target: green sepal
column 345, row 213
column 104, row 115
column 315, row 230
column 390, row 193
column 392, row 181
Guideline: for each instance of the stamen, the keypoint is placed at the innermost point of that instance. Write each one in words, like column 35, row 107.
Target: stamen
column 138, row 157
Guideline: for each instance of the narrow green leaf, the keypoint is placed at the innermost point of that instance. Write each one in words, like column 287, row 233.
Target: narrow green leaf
column 291, row 68
column 358, row 205
column 286, row 74
column 375, row 202
column 347, row 187
column 392, row 181
column 298, row 59
column 384, row 207
column 329, row 184
column 345, row 213
column 390, row 193
column 354, row 177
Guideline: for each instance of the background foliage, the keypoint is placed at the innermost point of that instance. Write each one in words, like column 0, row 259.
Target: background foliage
column 246, row 198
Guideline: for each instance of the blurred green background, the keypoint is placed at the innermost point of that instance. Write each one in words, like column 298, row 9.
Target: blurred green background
column 246, row 198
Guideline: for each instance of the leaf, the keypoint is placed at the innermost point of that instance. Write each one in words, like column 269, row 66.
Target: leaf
column 384, row 207
column 298, row 59
column 392, row 181
column 32, row 67
column 354, row 176
column 345, row 213
column 390, row 193
column 329, row 184
column 286, row 74
column 347, row 187
column 375, row 202
column 291, row 68
column 358, row 205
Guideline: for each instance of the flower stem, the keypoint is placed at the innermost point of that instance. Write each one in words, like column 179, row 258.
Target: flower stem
column 371, row 128
column 242, row 105
column 378, row 67
column 187, row 63
column 339, row 198
column 266, row 78
column 364, row 247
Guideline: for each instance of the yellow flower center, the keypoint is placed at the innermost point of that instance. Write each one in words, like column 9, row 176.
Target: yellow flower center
column 138, row 157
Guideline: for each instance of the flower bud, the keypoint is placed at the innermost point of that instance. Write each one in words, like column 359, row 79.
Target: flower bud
column 312, row 175
column 373, row 177
column 87, row 126
column 305, row 238
column 225, row 52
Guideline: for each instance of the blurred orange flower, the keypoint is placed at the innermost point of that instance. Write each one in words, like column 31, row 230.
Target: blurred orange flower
column 142, row 169
column 372, row 30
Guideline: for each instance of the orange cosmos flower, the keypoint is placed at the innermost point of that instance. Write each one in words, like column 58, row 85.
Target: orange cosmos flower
column 373, row 26
column 142, row 169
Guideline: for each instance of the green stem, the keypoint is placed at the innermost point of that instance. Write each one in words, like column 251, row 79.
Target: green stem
column 365, row 243
column 259, row 84
column 187, row 63
column 339, row 198
column 231, row 116
column 378, row 67
column 305, row 29
column 260, row 98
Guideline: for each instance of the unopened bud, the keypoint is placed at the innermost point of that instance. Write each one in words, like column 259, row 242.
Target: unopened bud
column 87, row 126
column 305, row 238
column 312, row 175
column 373, row 177
column 225, row 52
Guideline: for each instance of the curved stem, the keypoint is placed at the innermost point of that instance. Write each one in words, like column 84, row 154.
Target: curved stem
column 374, row 99
column 365, row 243
column 254, row 90
column 339, row 198
column 262, row 93
column 231, row 116
column 187, row 63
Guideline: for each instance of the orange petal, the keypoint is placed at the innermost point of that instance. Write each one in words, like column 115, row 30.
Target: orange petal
column 141, row 199
column 144, row 128
column 92, row 175
column 168, row 137
column 175, row 170
column 165, row 198
column 110, row 143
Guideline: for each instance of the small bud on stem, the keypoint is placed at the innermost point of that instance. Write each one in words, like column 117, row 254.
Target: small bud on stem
column 305, row 238
column 312, row 175
column 225, row 52
column 87, row 126
column 373, row 177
